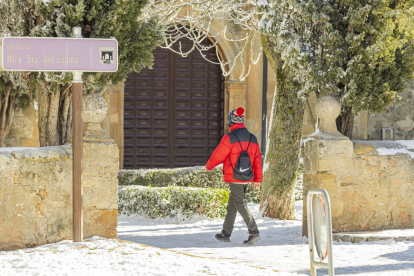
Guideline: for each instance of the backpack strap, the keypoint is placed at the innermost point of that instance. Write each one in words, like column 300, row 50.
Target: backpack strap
column 250, row 139
column 239, row 141
column 231, row 164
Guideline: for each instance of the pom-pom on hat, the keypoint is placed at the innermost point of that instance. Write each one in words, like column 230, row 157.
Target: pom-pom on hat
column 239, row 111
column 236, row 116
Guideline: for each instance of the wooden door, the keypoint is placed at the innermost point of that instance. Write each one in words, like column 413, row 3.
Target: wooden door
column 173, row 114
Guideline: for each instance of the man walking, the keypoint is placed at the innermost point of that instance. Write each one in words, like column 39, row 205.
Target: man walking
column 240, row 153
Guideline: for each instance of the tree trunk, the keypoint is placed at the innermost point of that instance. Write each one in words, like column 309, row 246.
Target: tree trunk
column 43, row 108
column 345, row 122
column 65, row 115
column 52, row 119
column 6, row 114
column 284, row 143
column 54, row 115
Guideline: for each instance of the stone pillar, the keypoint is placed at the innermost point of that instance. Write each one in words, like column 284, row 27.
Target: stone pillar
column 236, row 97
column 100, row 173
column 113, row 125
column 327, row 155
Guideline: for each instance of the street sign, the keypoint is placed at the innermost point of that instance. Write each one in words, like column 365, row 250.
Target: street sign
column 59, row 54
column 76, row 55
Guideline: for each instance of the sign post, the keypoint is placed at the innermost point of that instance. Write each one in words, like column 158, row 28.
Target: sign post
column 76, row 55
column 77, row 144
column 319, row 230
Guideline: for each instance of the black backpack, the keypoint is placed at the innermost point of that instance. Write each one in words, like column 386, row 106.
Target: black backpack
column 243, row 169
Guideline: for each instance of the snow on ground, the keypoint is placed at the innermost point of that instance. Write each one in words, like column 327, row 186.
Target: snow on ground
column 103, row 257
column 188, row 247
column 282, row 247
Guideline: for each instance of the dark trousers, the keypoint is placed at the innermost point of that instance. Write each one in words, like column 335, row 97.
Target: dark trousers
column 238, row 203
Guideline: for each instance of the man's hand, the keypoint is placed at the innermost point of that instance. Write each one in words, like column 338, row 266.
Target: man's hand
column 256, row 185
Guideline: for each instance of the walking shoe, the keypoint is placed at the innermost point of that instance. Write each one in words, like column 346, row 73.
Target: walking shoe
column 223, row 237
column 252, row 239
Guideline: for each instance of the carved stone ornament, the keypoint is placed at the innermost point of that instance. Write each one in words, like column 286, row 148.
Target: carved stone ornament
column 94, row 109
column 328, row 109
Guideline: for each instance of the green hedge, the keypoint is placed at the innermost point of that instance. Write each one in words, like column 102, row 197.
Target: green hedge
column 197, row 177
column 187, row 177
column 171, row 201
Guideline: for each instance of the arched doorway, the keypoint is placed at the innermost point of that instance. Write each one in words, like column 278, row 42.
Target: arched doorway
column 173, row 113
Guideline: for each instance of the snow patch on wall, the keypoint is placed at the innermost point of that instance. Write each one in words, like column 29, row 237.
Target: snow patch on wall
column 407, row 147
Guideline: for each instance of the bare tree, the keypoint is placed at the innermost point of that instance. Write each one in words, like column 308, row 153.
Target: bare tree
column 193, row 19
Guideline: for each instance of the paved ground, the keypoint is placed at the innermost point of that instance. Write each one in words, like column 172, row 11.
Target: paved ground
column 282, row 247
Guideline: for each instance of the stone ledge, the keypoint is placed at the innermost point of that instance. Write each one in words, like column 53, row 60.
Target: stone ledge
column 374, row 147
column 357, row 237
column 36, row 154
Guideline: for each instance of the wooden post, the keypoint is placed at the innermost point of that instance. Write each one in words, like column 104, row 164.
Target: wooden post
column 77, row 145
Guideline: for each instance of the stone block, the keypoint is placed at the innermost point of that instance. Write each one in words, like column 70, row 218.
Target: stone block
column 328, row 149
column 363, row 149
column 346, row 179
column 371, row 239
column 333, row 165
column 101, row 223
column 358, row 239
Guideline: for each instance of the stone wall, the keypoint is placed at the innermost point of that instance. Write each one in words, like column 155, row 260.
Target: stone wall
column 369, row 182
column 399, row 117
column 36, row 189
column 368, row 191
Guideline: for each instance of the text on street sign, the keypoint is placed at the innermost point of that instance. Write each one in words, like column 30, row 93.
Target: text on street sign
column 59, row 54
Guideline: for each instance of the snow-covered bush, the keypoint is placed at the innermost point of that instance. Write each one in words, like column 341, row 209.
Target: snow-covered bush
column 172, row 201
column 187, row 177
column 360, row 51
column 197, row 177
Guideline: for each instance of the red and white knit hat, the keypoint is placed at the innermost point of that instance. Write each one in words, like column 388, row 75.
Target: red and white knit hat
column 236, row 116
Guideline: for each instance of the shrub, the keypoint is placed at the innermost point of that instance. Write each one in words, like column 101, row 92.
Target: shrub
column 197, row 177
column 186, row 177
column 171, row 201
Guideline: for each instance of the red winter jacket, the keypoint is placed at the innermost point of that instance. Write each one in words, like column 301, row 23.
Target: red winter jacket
column 229, row 146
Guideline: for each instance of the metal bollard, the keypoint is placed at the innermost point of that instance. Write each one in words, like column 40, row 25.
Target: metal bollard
column 319, row 230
